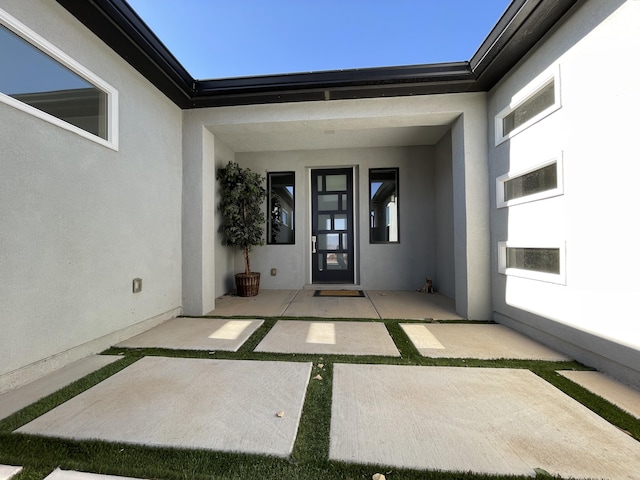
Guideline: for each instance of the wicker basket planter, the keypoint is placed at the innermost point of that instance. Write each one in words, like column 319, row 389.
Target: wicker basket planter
column 247, row 285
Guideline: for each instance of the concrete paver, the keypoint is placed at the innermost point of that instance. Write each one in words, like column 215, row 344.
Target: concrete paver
column 268, row 303
column 493, row 421
column 621, row 395
column 502, row 421
column 325, row 337
column 483, row 341
column 222, row 405
column 306, row 305
column 58, row 474
column 196, row 334
column 413, row 305
column 9, row 471
column 17, row 399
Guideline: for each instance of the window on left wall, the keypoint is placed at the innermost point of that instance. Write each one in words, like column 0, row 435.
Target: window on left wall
column 41, row 80
column 281, row 206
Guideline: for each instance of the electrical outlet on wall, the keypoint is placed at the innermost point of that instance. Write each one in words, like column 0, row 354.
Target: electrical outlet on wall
column 274, row 272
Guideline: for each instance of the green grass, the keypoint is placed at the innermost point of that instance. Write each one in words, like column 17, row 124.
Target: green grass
column 310, row 456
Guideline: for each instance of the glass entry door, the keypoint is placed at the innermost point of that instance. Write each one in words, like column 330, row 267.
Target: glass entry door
column 332, row 225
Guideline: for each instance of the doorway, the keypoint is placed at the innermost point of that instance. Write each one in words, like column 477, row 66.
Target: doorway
column 332, row 258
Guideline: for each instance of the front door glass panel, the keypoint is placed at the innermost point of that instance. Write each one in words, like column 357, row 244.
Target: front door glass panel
column 332, row 224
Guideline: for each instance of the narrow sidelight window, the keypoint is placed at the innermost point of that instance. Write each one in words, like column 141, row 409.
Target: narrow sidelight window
column 281, row 208
column 384, row 226
column 39, row 79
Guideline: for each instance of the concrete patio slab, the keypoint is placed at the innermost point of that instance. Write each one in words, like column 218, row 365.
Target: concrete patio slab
column 268, row 303
column 483, row 341
column 186, row 333
column 621, row 395
column 58, row 474
column 17, row 399
column 222, row 405
column 301, row 303
column 9, row 471
column 306, row 305
column 413, row 305
column 326, row 337
column 493, row 421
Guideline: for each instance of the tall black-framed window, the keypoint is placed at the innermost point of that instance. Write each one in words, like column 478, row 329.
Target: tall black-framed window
column 384, row 218
column 281, row 208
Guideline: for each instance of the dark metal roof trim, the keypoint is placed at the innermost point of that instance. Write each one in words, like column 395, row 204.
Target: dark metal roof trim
column 120, row 27
column 331, row 85
column 522, row 25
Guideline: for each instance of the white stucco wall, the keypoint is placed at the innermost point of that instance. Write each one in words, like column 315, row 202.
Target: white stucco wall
column 594, row 317
column 399, row 266
column 80, row 221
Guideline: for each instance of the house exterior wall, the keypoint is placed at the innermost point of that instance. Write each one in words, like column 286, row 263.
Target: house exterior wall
column 80, row 221
column 429, row 177
column 594, row 315
column 389, row 266
column 445, row 264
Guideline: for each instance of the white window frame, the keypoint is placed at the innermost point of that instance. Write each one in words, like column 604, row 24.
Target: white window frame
column 541, row 81
column 560, row 279
column 554, row 192
column 49, row 49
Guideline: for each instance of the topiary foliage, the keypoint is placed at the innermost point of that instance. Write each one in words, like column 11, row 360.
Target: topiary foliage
column 243, row 220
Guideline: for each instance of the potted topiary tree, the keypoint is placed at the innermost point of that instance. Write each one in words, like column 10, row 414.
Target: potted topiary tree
column 243, row 220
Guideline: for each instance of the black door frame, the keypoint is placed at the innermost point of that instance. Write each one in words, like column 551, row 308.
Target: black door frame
column 327, row 275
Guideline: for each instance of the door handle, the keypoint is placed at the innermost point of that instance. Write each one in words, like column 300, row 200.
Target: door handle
column 314, row 240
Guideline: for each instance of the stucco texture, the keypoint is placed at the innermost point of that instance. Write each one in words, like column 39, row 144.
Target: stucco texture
column 80, row 220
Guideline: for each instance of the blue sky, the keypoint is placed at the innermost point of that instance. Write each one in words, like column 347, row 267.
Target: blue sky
column 234, row 38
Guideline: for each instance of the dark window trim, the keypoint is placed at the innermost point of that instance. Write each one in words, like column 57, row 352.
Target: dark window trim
column 270, row 207
column 397, row 173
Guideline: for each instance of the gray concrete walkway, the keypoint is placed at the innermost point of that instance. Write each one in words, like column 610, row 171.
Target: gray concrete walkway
column 485, row 420
column 375, row 304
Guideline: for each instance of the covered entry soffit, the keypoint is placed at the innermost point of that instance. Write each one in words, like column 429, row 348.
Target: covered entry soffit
column 522, row 25
column 327, row 134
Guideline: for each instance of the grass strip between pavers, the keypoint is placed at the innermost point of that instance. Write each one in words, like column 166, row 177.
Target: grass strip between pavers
column 310, row 456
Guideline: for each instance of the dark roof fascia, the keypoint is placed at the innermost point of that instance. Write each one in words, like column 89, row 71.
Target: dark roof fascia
column 522, row 25
column 120, row 27
column 333, row 85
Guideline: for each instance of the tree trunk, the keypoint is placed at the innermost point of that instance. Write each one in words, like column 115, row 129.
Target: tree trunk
column 247, row 266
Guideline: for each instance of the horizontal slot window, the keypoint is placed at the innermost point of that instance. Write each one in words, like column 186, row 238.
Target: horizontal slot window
column 534, row 262
column 540, row 182
column 39, row 79
column 531, row 107
column 545, row 260
column 532, row 104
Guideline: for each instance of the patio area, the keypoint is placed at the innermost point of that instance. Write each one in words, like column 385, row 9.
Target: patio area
column 400, row 394
column 374, row 304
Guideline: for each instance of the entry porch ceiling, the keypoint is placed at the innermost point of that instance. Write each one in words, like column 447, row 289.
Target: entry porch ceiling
column 332, row 134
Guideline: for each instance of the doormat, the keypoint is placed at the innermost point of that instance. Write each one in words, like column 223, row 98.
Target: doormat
column 338, row 293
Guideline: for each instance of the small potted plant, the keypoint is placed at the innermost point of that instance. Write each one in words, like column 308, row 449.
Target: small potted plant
column 241, row 196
